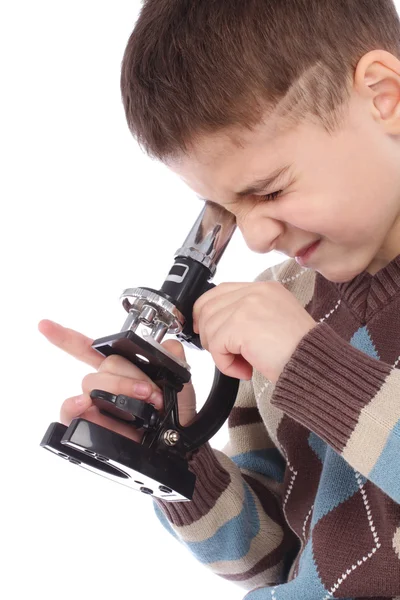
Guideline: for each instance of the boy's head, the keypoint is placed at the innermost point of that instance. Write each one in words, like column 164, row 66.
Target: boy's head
column 227, row 92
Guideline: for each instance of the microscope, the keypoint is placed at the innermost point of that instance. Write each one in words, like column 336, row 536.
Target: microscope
column 158, row 466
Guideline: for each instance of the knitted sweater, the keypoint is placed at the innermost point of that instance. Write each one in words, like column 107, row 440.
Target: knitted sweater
column 304, row 501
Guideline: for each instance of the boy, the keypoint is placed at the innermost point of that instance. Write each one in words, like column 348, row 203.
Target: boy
column 304, row 502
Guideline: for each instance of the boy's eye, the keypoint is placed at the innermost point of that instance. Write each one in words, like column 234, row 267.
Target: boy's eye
column 271, row 197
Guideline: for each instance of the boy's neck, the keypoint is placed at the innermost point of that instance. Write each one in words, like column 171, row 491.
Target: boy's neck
column 389, row 250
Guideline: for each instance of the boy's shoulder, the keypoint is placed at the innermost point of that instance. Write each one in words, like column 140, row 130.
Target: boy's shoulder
column 291, row 275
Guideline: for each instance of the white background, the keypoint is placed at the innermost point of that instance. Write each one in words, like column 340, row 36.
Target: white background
column 85, row 214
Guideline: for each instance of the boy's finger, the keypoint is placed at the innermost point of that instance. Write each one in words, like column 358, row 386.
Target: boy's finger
column 74, row 407
column 72, row 342
column 86, row 410
column 115, row 384
column 118, row 365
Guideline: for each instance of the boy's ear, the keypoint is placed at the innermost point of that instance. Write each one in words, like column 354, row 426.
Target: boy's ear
column 377, row 77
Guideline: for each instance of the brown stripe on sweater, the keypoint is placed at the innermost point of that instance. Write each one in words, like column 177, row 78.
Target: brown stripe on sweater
column 378, row 598
column 211, row 482
column 367, row 294
column 268, row 501
column 355, row 293
column 243, row 416
column 326, row 300
column 285, row 552
column 325, row 373
column 387, row 346
column 299, row 490
column 351, row 542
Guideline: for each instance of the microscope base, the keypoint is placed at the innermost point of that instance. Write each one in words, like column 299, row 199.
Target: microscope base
column 120, row 459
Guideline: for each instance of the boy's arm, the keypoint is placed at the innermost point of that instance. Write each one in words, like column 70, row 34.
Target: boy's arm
column 234, row 524
column 350, row 400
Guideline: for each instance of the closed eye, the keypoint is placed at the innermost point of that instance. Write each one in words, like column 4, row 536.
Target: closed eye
column 271, row 197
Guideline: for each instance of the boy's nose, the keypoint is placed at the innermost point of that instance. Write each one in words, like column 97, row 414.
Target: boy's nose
column 261, row 234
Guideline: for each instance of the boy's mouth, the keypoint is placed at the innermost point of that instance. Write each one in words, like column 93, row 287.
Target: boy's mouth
column 305, row 249
column 303, row 255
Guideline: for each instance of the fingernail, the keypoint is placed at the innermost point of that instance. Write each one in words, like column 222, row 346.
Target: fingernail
column 142, row 389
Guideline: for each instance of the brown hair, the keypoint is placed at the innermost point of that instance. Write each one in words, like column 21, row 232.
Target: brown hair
column 198, row 67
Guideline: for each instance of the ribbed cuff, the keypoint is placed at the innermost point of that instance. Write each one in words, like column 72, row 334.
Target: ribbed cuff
column 211, row 481
column 327, row 383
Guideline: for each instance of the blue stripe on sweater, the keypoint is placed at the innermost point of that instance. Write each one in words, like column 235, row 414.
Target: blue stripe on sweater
column 231, row 541
column 268, row 462
column 386, row 472
column 319, row 446
column 337, row 482
column 164, row 521
column 307, row 585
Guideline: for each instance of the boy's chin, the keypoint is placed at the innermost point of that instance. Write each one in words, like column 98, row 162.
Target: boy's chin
column 343, row 271
column 339, row 274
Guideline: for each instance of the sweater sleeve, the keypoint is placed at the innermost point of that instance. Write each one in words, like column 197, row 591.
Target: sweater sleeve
column 350, row 400
column 235, row 525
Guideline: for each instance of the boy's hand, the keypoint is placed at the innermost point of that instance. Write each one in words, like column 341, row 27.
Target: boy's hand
column 116, row 375
column 246, row 325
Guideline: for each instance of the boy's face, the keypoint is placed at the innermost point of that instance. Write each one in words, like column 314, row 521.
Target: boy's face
column 343, row 190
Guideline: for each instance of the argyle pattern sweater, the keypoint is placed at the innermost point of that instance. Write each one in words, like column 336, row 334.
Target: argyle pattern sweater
column 303, row 503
